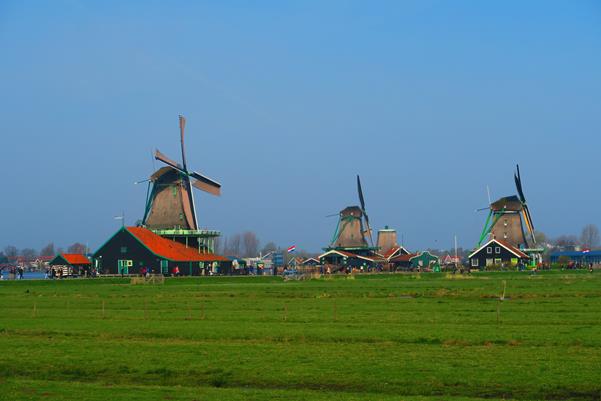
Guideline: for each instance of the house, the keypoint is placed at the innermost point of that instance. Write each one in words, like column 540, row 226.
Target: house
column 131, row 249
column 402, row 262
column 425, row 260
column 414, row 261
column 497, row 253
column 70, row 264
column 395, row 251
column 451, row 260
column 346, row 259
column 310, row 262
column 295, row 262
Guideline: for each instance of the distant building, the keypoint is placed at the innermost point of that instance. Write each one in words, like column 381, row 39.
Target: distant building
column 451, row 260
column 346, row 259
column 497, row 253
column 581, row 257
column 310, row 262
column 413, row 261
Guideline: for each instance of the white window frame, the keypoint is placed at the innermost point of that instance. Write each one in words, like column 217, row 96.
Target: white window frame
column 497, row 249
column 475, row 262
column 489, row 250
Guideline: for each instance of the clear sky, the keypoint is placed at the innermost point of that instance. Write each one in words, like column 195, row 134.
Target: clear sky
column 429, row 101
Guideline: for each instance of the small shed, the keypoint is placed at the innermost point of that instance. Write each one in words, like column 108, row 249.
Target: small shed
column 70, row 264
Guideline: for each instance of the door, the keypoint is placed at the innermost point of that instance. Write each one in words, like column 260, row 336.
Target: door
column 123, row 266
column 165, row 267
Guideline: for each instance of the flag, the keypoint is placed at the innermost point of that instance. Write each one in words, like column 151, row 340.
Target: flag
column 292, row 249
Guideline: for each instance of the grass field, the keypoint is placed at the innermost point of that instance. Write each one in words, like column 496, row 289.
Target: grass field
column 371, row 337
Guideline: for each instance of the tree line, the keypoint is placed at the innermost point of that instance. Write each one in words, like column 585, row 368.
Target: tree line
column 11, row 252
column 248, row 245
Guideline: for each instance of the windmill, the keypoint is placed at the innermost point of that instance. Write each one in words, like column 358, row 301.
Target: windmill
column 509, row 219
column 353, row 226
column 170, row 202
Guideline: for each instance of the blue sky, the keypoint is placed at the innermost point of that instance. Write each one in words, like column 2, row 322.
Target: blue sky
column 428, row 101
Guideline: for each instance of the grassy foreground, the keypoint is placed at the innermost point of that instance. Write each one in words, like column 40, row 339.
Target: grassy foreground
column 372, row 337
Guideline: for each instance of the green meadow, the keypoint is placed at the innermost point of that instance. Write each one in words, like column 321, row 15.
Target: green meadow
column 369, row 337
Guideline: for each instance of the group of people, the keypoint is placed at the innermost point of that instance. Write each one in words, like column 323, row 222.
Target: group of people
column 14, row 273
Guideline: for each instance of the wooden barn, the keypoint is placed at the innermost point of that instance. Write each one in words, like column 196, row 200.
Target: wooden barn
column 132, row 249
column 497, row 253
column 70, row 264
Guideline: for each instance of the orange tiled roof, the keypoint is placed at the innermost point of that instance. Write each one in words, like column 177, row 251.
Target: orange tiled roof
column 170, row 249
column 75, row 258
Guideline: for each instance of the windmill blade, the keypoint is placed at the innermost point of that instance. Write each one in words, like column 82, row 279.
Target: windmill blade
column 182, row 126
column 332, row 215
column 518, row 184
column 360, row 191
column 529, row 221
column 362, row 201
column 205, row 184
column 159, row 156
column 483, row 208
column 188, row 204
column 371, row 240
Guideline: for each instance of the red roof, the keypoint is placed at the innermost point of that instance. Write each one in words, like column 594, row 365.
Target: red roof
column 75, row 258
column 170, row 249
column 404, row 258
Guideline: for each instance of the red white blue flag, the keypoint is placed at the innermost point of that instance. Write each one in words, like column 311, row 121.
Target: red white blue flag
column 292, row 249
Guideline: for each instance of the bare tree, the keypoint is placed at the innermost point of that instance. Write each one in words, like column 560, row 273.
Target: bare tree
column 77, row 248
column 541, row 237
column 11, row 251
column 29, row 253
column 566, row 242
column 589, row 238
column 251, row 244
column 234, row 245
column 217, row 246
column 48, row 250
column 269, row 247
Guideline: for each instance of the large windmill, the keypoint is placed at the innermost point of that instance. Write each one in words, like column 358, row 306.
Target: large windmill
column 509, row 220
column 353, row 229
column 170, row 201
